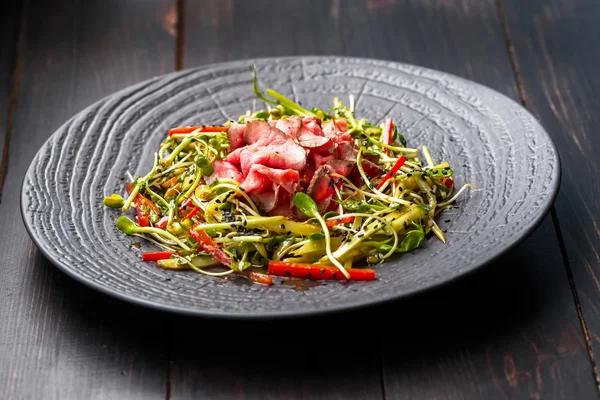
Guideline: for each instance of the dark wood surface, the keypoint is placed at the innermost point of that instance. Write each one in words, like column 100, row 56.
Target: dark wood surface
column 558, row 65
column 59, row 339
column 511, row 330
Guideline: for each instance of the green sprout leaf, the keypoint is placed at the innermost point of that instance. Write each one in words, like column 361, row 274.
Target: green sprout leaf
column 126, row 225
column 257, row 89
column 306, row 204
column 114, row 201
column 412, row 240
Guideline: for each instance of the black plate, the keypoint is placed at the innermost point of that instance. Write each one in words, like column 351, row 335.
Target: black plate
column 490, row 141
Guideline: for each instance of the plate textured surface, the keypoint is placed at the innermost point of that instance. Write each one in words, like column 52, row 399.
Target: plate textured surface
column 490, row 141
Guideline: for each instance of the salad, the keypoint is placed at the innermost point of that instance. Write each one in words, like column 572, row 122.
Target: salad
column 287, row 191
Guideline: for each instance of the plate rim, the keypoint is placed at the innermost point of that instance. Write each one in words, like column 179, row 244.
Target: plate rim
column 534, row 223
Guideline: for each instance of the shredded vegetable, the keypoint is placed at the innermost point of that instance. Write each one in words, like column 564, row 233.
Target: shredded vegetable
column 360, row 197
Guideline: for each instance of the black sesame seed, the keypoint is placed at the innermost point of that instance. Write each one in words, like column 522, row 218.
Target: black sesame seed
column 322, row 271
column 448, row 220
column 218, row 201
column 282, row 226
column 409, row 174
column 308, row 275
column 288, row 273
column 242, row 189
column 334, row 274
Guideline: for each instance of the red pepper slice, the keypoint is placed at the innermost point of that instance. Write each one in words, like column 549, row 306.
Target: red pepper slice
column 142, row 200
column 318, row 272
column 143, row 218
column 193, row 212
column 448, row 182
column 157, row 255
column 186, row 202
column 162, row 223
column 339, row 221
column 190, row 129
column 388, row 131
column 392, row 171
column 209, row 246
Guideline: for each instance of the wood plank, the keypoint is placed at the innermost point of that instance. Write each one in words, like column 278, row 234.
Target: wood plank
column 61, row 340
column 527, row 343
column 10, row 15
column 556, row 48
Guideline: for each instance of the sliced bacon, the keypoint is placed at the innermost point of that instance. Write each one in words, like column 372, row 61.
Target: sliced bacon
column 223, row 170
column 235, row 134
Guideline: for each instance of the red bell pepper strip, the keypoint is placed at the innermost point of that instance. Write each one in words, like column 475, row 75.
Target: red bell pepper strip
column 209, row 246
column 448, row 182
column 142, row 217
column 193, row 212
column 339, row 221
column 190, row 129
column 318, row 272
column 392, row 171
column 157, row 255
column 142, row 200
column 162, row 223
column 388, row 133
column 186, row 202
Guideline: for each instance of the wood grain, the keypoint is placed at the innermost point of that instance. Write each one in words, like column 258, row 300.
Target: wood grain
column 61, row 340
column 9, row 38
column 556, row 48
column 525, row 343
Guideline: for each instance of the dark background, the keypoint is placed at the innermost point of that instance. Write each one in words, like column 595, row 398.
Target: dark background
column 525, row 327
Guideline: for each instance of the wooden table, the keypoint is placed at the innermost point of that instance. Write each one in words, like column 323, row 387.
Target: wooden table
column 525, row 327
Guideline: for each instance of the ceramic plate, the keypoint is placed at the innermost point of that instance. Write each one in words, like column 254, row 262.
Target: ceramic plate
column 490, row 141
